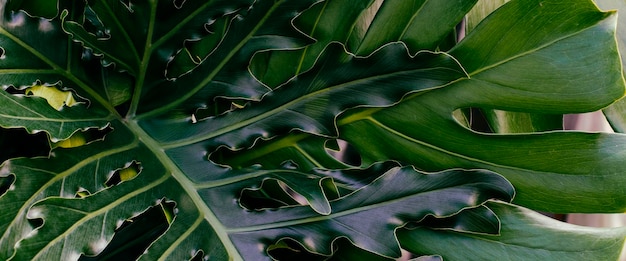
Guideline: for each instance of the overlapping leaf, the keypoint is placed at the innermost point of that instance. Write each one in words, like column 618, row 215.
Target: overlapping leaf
column 157, row 150
column 369, row 216
column 532, row 77
column 526, row 77
column 523, row 233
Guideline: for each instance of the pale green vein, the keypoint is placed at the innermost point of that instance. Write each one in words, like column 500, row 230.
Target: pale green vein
column 35, row 196
column 145, row 62
column 216, row 69
column 63, row 72
column 23, row 107
column 532, row 50
column 30, row 49
column 28, row 71
column 247, row 176
column 308, row 157
column 120, row 28
column 281, row 143
column 182, row 23
column 97, row 213
column 347, row 212
column 410, row 23
column 286, row 106
column 181, row 238
column 97, row 49
column 188, row 186
column 306, row 48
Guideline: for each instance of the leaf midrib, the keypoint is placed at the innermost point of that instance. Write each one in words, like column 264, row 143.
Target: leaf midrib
column 144, row 64
column 540, row 47
column 187, row 185
column 30, row 201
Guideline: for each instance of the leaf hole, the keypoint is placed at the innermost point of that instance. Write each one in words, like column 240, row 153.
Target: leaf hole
column 35, row 217
column 272, row 194
column 199, row 256
column 6, row 184
column 289, row 164
column 129, row 172
column 82, row 193
column 342, row 151
column 290, row 249
column 218, row 107
column 197, row 48
column 135, row 234
column 94, row 25
column 479, row 219
column 56, row 96
column 82, row 138
column 45, row 25
column 17, row 19
column 2, row 53
column 20, row 143
column 489, row 121
column 473, row 119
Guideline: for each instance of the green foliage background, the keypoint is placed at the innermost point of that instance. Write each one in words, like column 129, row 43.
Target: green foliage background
column 195, row 130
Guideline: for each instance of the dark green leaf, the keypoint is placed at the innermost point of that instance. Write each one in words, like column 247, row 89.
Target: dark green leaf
column 305, row 104
column 167, row 110
column 534, row 163
column 43, row 8
column 368, row 216
column 326, row 21
column 126, row 244
column 506, row 121
column 524, row 235
column 424, row 23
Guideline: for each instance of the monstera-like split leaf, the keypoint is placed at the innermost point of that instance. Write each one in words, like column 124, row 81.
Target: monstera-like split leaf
column 521, row 230
column 229, row 130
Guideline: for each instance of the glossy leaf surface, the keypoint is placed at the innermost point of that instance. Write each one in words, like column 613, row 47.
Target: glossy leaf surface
column 192, row 130
column 532, row 162
column 522, row 236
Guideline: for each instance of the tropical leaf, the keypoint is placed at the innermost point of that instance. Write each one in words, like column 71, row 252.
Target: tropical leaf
column 425, row 24
column 169, row 140
column 522, row 236
column 499, row 121
column 532, row 162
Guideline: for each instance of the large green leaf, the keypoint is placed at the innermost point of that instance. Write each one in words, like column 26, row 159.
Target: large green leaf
column 506, row 121
column 524, row 235
column 166, row 146
column 338, row 24
column 526, row 76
